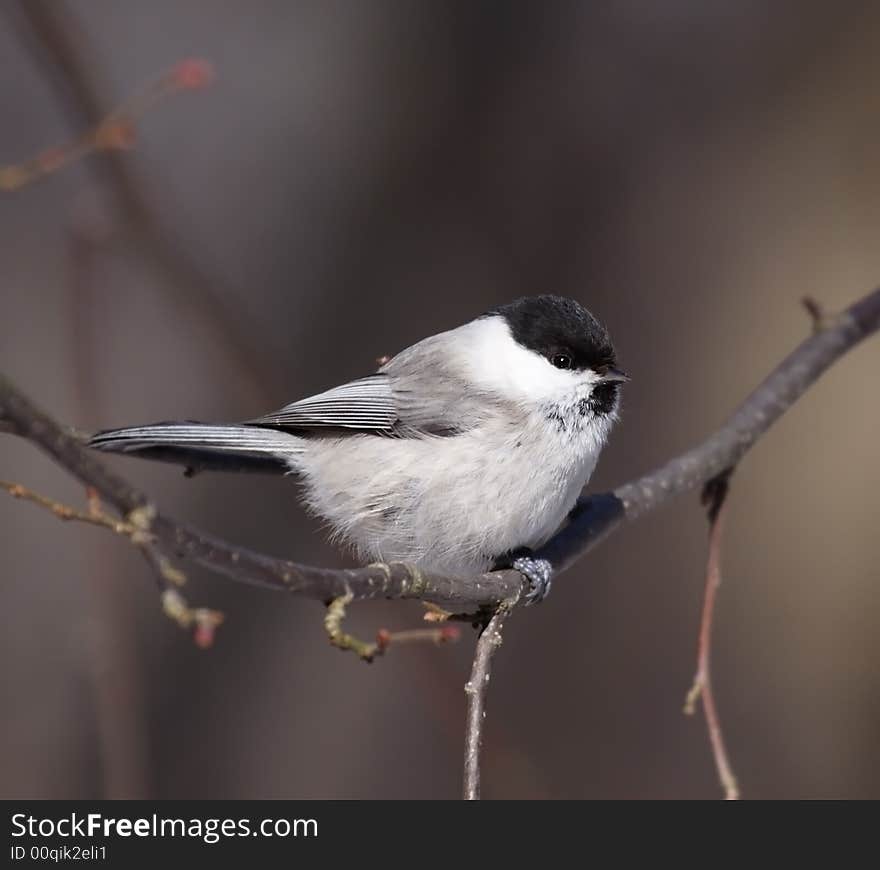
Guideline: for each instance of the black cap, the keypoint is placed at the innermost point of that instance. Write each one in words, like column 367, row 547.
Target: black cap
column 553, row 325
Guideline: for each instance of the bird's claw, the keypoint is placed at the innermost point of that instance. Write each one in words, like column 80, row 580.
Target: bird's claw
column 538, row 573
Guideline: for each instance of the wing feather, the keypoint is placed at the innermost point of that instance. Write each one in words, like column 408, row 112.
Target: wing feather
column 365, row 404
column 421, row 391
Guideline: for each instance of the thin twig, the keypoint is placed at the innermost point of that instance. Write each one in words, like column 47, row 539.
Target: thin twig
column 368, row 650
column 65, row 512
column 136, row 528
column 475, row 689
column 114, row 132
column 437, row 636
column 333, row 626
column 715, row 499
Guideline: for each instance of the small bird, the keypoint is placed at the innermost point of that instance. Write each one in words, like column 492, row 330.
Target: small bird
column 464, row 452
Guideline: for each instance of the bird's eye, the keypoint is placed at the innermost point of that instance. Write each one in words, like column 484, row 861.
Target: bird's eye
column 562, row 360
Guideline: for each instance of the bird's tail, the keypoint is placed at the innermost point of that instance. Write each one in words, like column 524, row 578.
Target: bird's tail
column 205, row 446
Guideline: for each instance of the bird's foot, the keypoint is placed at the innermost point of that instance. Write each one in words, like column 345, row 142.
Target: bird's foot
column 538, row 573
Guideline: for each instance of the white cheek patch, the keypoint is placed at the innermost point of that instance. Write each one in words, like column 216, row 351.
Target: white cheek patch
column 493, row 359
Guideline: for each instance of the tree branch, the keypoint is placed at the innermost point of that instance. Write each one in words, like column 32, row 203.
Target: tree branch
column 475, row 689
column 593, row 519
column 715, row 498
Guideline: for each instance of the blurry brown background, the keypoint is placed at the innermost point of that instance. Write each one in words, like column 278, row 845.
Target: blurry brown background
column 359, row 176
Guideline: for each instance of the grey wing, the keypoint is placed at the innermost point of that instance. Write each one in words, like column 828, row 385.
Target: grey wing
column 366, row 404
column 431, row 391
column 420, row 391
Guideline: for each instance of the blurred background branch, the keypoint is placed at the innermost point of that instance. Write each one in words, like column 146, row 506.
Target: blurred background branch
column 72, row 65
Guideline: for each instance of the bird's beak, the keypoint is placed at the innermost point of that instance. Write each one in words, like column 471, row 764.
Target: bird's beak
column 614, row 375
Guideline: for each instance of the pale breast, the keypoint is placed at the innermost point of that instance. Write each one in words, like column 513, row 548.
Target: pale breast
column 451, row 504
